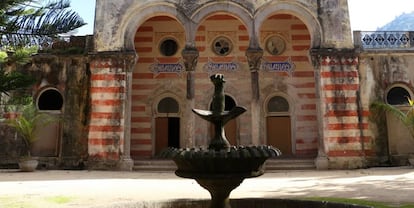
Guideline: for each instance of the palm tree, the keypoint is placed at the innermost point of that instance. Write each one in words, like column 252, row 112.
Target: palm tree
column 407, row 118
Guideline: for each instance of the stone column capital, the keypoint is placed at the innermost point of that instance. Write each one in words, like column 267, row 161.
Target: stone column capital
column 254, row 58
column 190, row 57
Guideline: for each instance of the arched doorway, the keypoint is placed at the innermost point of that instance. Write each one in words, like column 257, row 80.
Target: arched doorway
column 230, row 128
column 278, row 125
column 167, row 125
column 49, row 101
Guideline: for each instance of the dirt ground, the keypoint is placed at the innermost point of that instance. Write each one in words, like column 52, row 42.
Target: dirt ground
column 57, row 188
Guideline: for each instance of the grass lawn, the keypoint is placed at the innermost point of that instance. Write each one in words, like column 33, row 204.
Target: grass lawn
column 34, row 202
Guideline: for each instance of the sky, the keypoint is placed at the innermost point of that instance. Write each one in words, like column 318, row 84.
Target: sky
column 368, row 15
column 365, row 15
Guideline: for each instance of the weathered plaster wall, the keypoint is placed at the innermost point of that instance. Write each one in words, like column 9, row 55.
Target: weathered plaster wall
column 70, row 75
column 382, row 71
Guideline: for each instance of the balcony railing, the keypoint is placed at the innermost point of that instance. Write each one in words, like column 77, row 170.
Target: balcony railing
column 384, row 39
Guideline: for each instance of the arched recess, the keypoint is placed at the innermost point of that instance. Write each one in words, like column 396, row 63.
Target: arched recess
column 231, row 128
column 49, row 100
column 151, row 77
column 167, row 124
column 302, row 13
column 279, row 123
column 230, row 8
column 150, row 36
column 139, row 14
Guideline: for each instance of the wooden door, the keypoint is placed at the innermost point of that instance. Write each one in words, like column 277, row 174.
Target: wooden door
column 161, row 134
column 279, row 134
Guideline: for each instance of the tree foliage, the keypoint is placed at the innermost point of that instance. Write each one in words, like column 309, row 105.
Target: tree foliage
column 26, row 24
column 407, row 118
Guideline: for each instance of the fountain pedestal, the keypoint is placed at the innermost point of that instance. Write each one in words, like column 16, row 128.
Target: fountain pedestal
column 220, row 190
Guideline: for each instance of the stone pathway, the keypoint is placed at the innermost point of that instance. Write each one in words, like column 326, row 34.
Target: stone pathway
column 121, row 189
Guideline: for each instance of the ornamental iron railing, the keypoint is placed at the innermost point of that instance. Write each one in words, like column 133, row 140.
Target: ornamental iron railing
column 384, row 39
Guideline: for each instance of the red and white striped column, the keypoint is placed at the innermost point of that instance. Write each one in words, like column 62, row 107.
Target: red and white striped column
column 345, row 139
column 109, row 142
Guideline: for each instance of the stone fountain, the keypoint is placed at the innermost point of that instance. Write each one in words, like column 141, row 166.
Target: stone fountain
column 220, row 168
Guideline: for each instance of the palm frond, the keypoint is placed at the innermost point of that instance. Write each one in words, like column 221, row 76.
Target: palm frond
column 37, row 21
column 407, row 118
column 380, row 107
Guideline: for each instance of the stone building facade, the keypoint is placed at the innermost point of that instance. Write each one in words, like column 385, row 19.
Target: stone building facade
column 306, row 84
column 292, row 64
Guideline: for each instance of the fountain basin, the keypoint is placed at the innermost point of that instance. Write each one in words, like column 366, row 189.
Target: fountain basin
column 220, row 171
column 236, row 162
column 252, row 203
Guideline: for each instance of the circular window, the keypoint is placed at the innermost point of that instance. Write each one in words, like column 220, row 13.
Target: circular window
column 168, row 47
column 398, row 96
column 222, row 46
column 275, row 45
column 278, row 104
column 50, row 99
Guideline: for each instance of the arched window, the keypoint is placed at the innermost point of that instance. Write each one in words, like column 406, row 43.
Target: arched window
column 398, row 96
column 168, row 105
column 277, row 104
column 50, row 99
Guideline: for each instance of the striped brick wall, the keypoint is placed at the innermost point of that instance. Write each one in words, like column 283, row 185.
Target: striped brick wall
column 106, row 128
column 300, row 86
column 345, row 121
column 147, row 86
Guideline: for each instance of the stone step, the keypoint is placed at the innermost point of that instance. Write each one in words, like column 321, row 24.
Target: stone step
column 154, row 165
column 290, row 164
column 271, row 165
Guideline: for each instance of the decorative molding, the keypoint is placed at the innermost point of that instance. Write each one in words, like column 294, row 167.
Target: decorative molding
column 284, row 66
column 264, row 35
column 179, row 36
column 386, row 39
column 214, row 67
column 158, row 68
column 212, row 35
